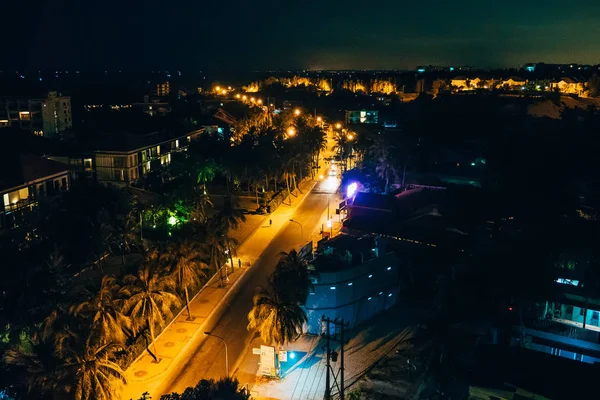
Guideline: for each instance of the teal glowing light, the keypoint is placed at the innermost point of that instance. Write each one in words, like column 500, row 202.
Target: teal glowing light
column 292, row 355
column 472, row 164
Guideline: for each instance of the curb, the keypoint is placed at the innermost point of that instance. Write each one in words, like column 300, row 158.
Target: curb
column 198, row 338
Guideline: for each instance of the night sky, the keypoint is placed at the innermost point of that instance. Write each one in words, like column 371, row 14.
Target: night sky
column 293, row 34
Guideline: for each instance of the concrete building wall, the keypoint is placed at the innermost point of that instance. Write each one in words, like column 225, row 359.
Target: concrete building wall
column 356, row 293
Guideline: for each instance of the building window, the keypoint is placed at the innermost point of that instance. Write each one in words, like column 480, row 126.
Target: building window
column 24, row 116
column 120, row 162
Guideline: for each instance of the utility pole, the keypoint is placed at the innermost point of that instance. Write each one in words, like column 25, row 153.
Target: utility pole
column 341, row 388
column 327, row 381
column 342, row 362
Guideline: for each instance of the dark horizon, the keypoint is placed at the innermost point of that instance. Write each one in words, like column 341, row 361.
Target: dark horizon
column 235, row 35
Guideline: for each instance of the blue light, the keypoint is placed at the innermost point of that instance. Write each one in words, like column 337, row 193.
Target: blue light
column 380, row 293
column 350, row 284
column 369, row 298
column 390, row 295
column 389, row 268
column 421, row 70
column 451, row 69
column 370, row 276
column 332, row 288
column 472, row 164
column 292, row 355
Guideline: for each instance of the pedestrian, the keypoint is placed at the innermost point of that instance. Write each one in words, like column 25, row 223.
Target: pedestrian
column 270, row 223
column 240, row 263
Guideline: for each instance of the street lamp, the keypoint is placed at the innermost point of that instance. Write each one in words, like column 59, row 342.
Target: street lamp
column 350, row 136
column 291, row 131
column 338, row 125
column 297, row 112
column 226, row 354
column 301, row 228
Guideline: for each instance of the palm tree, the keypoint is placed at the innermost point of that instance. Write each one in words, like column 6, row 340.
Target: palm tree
column 94, row 376
column 206, row 172
column 278, row 320
column 39, row 366
column 108, row 323
column 149, row 296
column 230, row 217
column 381, row 151
column 187, row 267
column 291, row 278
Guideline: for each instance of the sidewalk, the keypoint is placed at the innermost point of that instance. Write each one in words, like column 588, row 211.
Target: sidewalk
column 304, row 377
column 178, row 341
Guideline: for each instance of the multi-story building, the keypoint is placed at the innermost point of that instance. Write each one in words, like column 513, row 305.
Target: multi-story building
column 42, row 117
column 25, row 180
column 130, row 157
column 162, row 89
column 354, row 279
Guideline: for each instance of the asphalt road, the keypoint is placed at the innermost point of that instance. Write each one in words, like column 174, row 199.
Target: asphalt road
column 209, row 359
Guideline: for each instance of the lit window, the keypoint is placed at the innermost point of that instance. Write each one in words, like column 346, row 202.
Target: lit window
column 24, row 116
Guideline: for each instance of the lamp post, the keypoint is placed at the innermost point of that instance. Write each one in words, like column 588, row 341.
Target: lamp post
column 226, row 354
column 301, row 228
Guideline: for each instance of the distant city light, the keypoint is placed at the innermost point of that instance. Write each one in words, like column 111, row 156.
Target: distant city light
column 390, row 295
column 297, row 111
column 332, row 288
column 369, row 298
column 172, row 221
column 291, row 131
column 389, row 268
column 370, row 276
column 350, row 284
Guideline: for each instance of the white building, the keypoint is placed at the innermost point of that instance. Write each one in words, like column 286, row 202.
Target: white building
column 42, row 117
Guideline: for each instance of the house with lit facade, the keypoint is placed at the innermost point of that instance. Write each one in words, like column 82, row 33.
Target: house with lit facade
column 25, row 181
column 354, row 278
column 568, row 86
column 124, row 159
column 45, row 117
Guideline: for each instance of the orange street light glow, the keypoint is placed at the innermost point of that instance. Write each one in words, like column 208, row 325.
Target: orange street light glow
column 218, row 88
column 319, row 119
column 338, row 125
column 291, row 131
column 259, row 101
column 350, row 137
column 297, row 111
column 237, row 96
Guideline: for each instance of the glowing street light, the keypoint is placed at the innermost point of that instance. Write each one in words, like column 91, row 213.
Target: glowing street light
column 338, row 125
column 252, row 99
column 237, row 96
column 259, row 101
column 226, row 355
column 291, row 131
column 218, row 88
column 350, row 136
column 244, row 97
column 297, row 112
column 319, row 119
